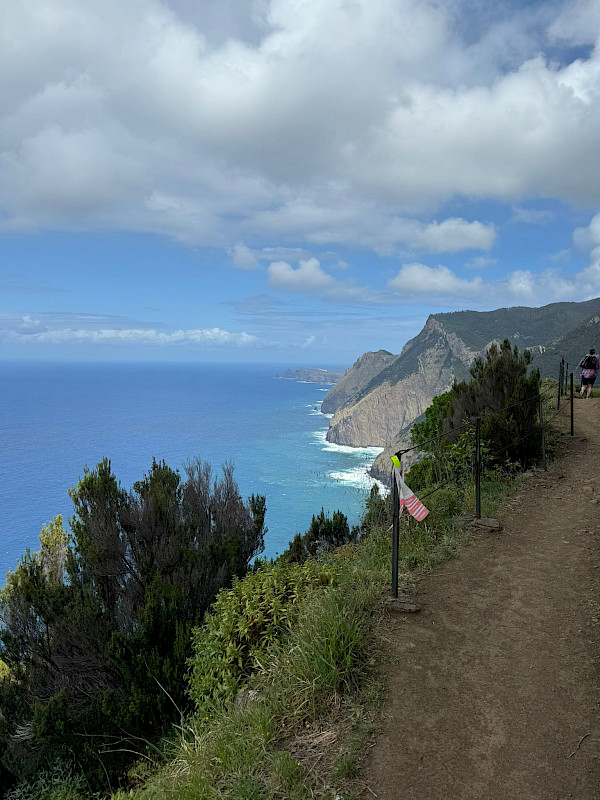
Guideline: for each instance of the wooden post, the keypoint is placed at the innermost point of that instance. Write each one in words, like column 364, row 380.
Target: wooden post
column 478, row 468
column 395, row 536
column 560, row 377
column 541, row 412
column 572, row 420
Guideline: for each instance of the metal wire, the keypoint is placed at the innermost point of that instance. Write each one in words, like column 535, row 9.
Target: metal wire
column 471, row 421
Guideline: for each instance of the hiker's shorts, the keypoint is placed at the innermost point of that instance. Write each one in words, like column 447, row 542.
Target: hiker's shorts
column 587, row 381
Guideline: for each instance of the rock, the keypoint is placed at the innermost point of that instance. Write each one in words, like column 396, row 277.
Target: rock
column 463, row 520
column 356, row 379
column 487, row 524
column 402, row 391
column 403, row 604
column 382, row 394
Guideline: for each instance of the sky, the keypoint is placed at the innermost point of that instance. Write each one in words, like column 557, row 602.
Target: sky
column 296, row 181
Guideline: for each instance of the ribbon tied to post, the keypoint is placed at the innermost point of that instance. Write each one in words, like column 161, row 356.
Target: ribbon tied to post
column 406, row 497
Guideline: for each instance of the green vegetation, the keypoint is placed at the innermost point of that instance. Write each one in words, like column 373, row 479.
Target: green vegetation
column 503, row 393
column 245, row 622
column 97, row 629
column 323, row 535
column 281, row 672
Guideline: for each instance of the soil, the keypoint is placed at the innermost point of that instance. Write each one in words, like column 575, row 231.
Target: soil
column 493, row 689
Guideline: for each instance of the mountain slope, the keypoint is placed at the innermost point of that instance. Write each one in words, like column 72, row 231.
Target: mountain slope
column 391, row 400
column 356, row 377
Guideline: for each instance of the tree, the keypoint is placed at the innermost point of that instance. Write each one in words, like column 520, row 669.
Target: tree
column 505, row 393
column 97, row 627
column 325, row 533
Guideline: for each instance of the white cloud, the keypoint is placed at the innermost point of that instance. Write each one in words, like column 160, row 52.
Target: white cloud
column 440, row 285
column 449, row 236
column 577, row 23
column 481, row 262
column 307, row 277
column 561, row 255
column 532, row 216
column 419, row 279
column 522, row 284
column 216, row 126
column 589, row 237
column 243, row 258
column 30, row 330
column 310, row 278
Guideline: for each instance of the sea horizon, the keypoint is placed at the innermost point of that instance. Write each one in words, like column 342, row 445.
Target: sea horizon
column 60, row 417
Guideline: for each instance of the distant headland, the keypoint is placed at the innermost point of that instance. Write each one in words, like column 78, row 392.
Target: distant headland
column 313, row 375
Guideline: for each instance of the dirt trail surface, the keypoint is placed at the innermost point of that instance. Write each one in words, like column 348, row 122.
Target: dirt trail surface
column 494, row 687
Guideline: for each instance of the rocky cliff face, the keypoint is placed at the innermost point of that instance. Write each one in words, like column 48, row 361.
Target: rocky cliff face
column 381, row 468
column 382, row 395
column 402, row 391
column 356, row 378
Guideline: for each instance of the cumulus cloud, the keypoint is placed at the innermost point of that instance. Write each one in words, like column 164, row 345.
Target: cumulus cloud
column 419, row 279
column 310, row 278
column 449, row 236
column 242, row 257
column 307, row 277
column 577, row 23
column 28, row 329
column 589, row 237
column 440, row 285
column 215, row 126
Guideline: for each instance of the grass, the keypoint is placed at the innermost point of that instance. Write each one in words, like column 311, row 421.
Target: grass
column 303, row 730
column 316, row 692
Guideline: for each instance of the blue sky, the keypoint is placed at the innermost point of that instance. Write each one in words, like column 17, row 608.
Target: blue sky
column 289, row 180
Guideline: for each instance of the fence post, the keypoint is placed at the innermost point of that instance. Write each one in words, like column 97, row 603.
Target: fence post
column 395, row 536
column 572, row 420
column 541, row 412
column 560, row 377
column 478, row 468
column 566, row 377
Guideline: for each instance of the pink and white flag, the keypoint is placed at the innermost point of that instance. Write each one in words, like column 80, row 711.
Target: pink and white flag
column 408, row 499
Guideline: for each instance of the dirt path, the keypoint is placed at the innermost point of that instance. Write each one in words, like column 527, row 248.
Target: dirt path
column 495, row 683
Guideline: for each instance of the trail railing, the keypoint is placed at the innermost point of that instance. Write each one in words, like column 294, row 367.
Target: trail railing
column 479, row 458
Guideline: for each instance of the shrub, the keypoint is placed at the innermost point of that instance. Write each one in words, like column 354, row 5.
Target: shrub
column 59, row 782
column 245, row 621
column 96, row 628
column 324, row 534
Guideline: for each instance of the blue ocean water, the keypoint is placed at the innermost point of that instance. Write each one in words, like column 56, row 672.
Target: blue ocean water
column 57, row 418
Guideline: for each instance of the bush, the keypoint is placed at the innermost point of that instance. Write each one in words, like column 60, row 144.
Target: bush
column 96, row 629
column 378, row 511
column 324, row 534
column 244, row 623
column 57, row 783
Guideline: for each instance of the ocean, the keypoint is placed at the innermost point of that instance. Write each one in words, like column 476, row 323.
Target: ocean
column 55, row 419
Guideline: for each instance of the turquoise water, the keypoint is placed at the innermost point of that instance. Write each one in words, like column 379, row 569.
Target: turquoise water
column 56, row 419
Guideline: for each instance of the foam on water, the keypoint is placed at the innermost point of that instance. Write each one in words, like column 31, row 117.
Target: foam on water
column 320, row 438
column 358, row 477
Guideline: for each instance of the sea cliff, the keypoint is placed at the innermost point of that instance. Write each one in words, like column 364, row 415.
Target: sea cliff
column 381, row 396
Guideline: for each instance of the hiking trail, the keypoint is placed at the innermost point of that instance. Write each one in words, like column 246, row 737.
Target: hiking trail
column 492, row 691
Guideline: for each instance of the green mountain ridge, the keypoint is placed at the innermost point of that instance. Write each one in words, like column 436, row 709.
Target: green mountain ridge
column 377, row 407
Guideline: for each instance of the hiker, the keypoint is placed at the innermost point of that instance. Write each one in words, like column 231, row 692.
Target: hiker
column 589, row 369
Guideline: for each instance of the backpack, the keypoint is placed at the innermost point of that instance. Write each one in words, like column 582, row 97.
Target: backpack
column 589, row 362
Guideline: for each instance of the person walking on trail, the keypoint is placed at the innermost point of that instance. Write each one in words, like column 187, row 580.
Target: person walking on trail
column 589, row 369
